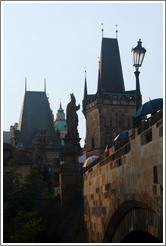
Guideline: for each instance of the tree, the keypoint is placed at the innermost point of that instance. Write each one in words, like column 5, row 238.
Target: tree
column 29, row 228
column 21, row 220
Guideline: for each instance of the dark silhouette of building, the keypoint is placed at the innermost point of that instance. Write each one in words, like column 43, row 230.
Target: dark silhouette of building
column 111, row 110
column 36, row 134
column 35, row 114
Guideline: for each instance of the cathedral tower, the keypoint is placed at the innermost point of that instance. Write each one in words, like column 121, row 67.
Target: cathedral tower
column 111, row 110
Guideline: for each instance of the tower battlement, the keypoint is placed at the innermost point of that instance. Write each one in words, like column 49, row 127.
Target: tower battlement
column 127, row 98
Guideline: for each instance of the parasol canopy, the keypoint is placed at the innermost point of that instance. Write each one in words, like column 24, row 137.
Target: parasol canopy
column 122, row 135
column 150, row 107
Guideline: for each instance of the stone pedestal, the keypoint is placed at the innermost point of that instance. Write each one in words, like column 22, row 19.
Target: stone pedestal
column 70, row 186
column 70, row 179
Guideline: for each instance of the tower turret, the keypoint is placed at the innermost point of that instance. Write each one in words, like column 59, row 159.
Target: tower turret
column 99, row 86
column 60, row 123
column 85, row 88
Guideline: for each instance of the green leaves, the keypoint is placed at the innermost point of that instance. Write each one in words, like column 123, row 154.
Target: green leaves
column 29, row 228
column 22, row 223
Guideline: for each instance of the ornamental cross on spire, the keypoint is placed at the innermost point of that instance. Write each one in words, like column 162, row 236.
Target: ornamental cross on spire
column 85, row 71
column 116, row 32
column 102, row 29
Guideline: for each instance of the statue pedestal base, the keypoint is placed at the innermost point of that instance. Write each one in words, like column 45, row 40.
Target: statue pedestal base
column 70, row 178
column 72, row 146
column 70, row 182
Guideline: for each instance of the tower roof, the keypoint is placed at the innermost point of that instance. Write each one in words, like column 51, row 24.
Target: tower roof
column 85, row 88
column 60, row 110
column 60, row 113
column 35, row 113
column 60, row 125
column 110, row 67
column 99, row 86
column 60, row 122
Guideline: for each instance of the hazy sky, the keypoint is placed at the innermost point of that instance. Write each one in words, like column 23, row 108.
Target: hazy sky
column 57, row 41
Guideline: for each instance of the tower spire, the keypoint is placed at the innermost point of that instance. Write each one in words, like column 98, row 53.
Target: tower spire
column 45, row 85
column 60, row 104
column 25, row 84
column 85, row 88
column 99, row 87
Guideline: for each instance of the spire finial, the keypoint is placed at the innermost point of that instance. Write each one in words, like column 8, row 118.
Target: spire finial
column 85, row 72
column 45, row 85
column 60, row 103
column 116, row 31
column 102, row 29
column 25, row 84
column 85, row 86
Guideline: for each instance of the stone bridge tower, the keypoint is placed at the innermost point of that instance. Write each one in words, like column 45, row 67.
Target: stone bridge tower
column 111, row 110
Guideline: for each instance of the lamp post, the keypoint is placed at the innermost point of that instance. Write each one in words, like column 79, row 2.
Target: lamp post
column 138, row 56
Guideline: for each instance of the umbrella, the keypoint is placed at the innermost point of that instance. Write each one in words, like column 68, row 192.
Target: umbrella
column 89, row 160
column 149, row 107
column 122, row 135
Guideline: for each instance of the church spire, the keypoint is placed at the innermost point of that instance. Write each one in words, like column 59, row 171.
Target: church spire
column 85, row 88
column 45, row 85
column 99, row 86
column 25, row 84
column 60, row 104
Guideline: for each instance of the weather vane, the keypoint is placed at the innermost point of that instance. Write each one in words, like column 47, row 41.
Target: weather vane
column 102, row 29
column 116, row 32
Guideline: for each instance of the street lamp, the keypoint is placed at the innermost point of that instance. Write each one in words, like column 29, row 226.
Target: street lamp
column 138, row 56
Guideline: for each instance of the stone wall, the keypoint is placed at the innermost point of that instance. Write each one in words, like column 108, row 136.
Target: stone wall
column 128, row 177
column 106, row 116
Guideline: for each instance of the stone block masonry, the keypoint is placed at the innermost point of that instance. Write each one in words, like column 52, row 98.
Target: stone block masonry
column 124, row 184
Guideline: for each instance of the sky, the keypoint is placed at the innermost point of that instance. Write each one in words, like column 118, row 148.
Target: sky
column 59, row 40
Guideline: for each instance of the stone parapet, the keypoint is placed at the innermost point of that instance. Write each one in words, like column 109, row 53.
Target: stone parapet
column 130, row 172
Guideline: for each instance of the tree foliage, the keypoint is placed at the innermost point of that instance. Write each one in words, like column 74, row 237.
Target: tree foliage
column 21, row 220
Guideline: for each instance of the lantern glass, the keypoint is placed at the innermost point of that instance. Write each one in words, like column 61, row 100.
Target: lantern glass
column 138, row 55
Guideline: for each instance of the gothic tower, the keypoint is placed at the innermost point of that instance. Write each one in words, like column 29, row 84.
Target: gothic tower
column 111, row 110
